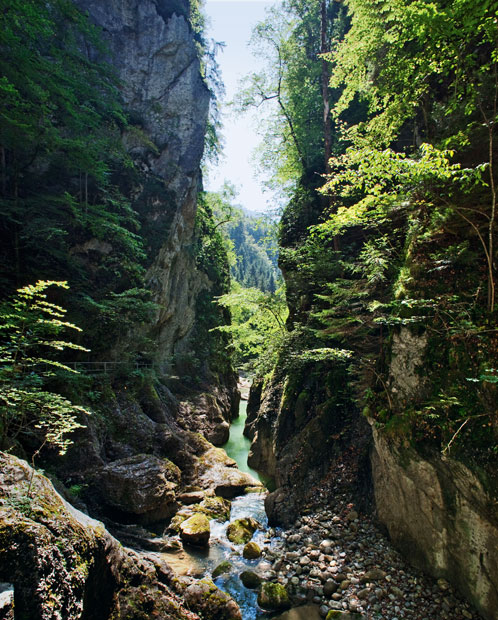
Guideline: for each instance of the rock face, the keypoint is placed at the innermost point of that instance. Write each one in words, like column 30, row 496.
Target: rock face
column 63, row 564
column 441, row 515
column 304, row 423
column 141, row 485
column 153, row 50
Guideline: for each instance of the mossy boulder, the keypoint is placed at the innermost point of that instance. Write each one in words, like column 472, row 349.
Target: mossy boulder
column 222, row 568
column 195, row 530
column 215, row 508
column 343, row 615
column 273, row 596
column 251, row 551
column 240, row 531
column 250, row 580
column 210, row 602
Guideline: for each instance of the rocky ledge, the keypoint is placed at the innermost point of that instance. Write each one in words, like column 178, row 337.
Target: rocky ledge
column 62, row 563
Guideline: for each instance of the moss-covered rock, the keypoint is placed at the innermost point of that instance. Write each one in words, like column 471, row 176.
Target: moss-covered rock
column 195, row 530
column 241, row 530
column 62, row 562
column 250, row 580
column 210, row 602
column 222, row 568
column 251, row 551
column 215, row 508
column 273, row 596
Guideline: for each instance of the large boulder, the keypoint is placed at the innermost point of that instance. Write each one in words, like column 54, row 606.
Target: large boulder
column 273, row 596
column 213, row 604
column 195, row 530
column 219, row 473
column 240, row 531
column 63, row 564
column 142, row 485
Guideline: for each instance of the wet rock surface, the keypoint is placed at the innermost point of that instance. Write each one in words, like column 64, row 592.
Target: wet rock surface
column 143, row 485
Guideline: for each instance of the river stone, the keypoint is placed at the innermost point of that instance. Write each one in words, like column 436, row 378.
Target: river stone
column 273, row 596
column 143, row 485
column 222, row 568
column 195, row 530
column 215, row 508
column 250, row 580
column 213, row 603
column 329, row 587
column 251, row 551
column 305, row 612
column 344, row 615
column 240, row 531
column 374, row 574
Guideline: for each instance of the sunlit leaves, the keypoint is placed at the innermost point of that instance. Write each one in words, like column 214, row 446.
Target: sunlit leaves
column 29, row 330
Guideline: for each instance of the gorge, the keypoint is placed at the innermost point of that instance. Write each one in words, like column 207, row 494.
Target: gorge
column 371, row 416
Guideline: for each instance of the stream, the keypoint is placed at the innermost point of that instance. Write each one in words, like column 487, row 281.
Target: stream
column 221, row 549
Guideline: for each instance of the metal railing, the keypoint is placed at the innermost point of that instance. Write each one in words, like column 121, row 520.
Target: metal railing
column 100, row 368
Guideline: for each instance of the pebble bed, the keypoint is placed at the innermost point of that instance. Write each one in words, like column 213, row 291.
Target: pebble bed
column 339, row 560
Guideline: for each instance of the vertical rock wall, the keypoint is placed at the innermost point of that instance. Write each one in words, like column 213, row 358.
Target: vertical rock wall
column 441, row 516
column 154, row 52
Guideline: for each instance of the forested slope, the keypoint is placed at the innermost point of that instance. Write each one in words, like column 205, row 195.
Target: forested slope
column 388, row 252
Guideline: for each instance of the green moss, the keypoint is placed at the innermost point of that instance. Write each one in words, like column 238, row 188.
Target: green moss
column 251, row 551
column 215, row 508
column 273, row 596
column 240, row 531
column 222, row 568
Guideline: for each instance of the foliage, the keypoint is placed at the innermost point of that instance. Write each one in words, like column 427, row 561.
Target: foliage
column 29, row 338
column 257, row 326
column 403, row 236
column 63, row 165
column 289, row 42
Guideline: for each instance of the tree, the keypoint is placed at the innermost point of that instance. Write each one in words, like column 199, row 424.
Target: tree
column 63, row 167
column 257, row 326
column 428, row 72
column 30, row 340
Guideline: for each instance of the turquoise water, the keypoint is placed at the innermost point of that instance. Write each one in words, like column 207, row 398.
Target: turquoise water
column 220, row 548
column 237, row 447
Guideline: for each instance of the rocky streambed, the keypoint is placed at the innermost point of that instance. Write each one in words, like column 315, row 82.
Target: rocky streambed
column 333, row 562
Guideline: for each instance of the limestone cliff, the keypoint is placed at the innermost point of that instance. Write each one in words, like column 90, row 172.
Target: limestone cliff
column 153, row 49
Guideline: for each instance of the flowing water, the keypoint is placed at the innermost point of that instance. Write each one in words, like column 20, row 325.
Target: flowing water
column 221, row 549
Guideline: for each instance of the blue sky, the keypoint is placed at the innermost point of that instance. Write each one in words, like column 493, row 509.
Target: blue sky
column 232, row 21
